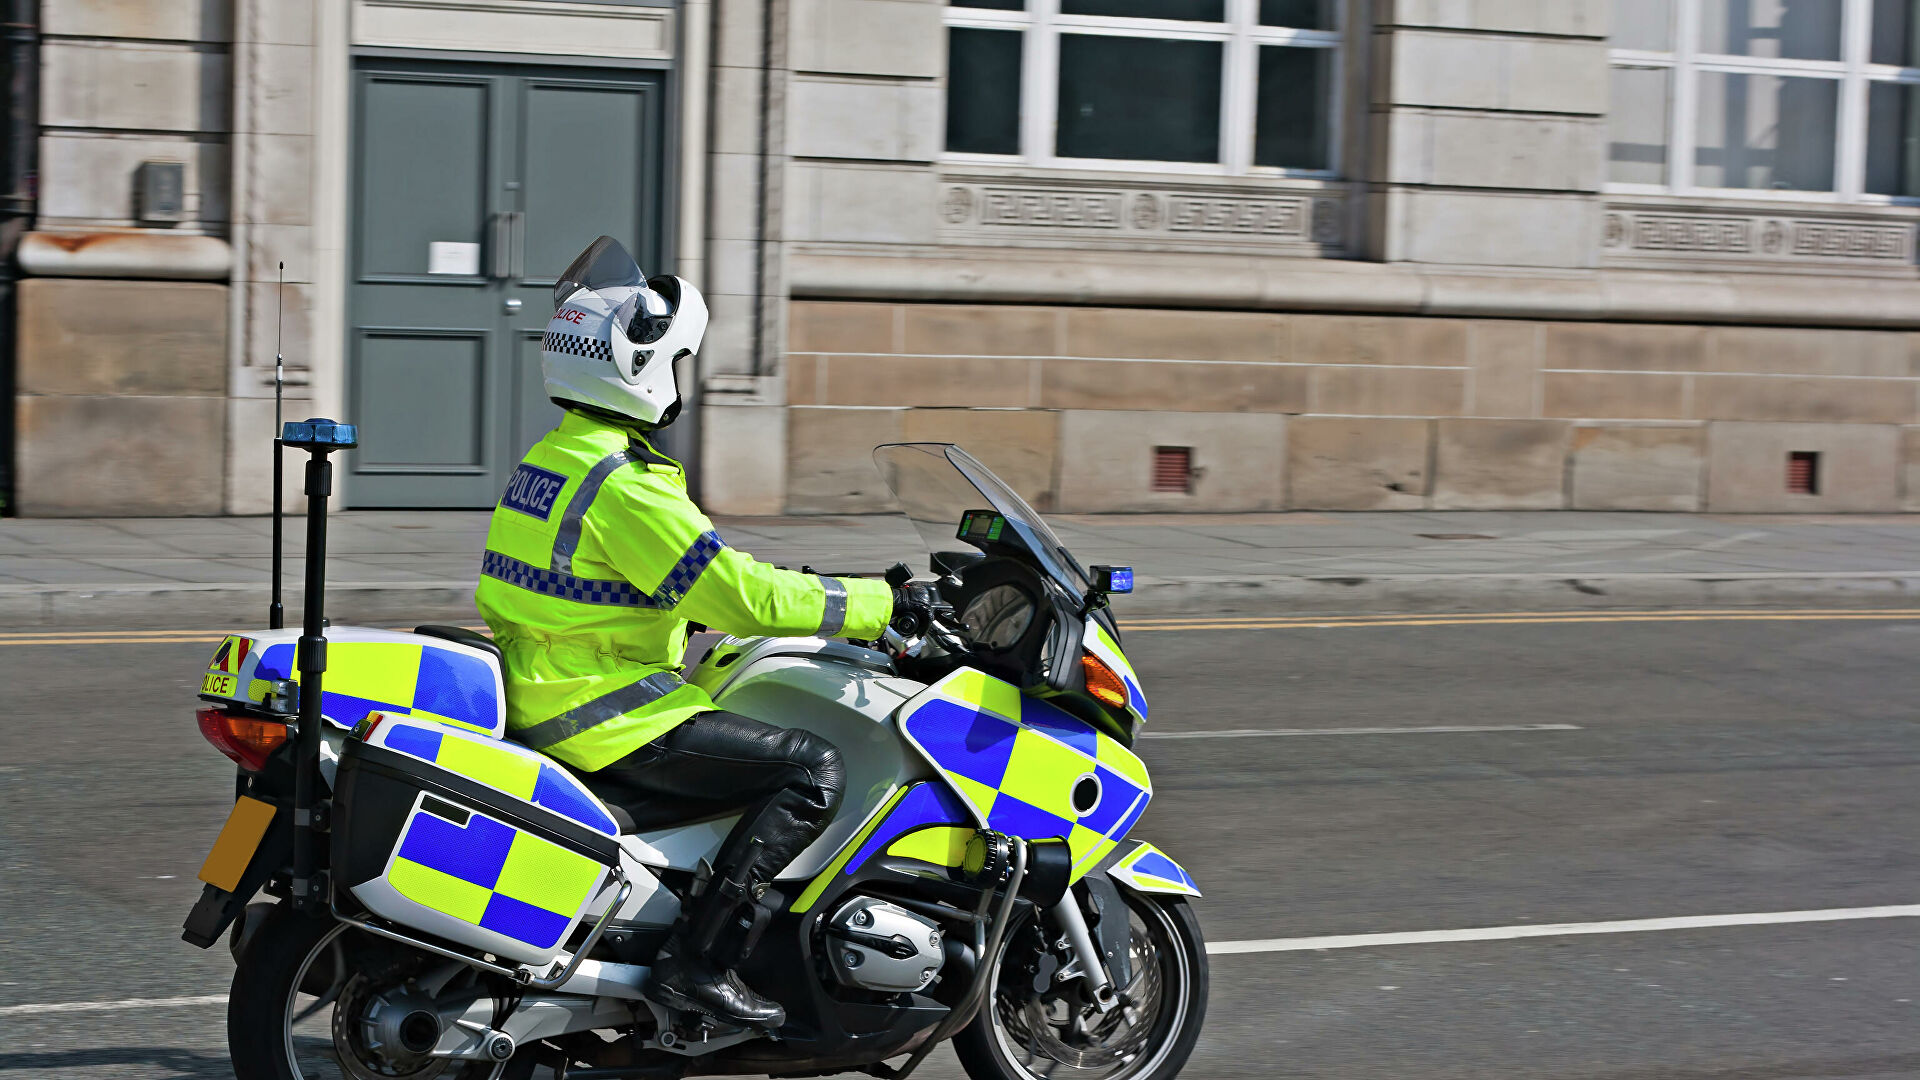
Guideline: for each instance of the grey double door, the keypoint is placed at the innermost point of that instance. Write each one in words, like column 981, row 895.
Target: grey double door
column 474, row 186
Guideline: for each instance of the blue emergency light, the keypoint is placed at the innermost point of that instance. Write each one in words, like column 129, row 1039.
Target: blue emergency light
column 320, row 434
column 1112, row 579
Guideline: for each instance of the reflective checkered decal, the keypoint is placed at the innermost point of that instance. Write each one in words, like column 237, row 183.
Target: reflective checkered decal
column 488, row 873
column 686, row 571
column 432, row 682
column 1017, row 760
column 552, row 583
column 1148, row 869
column 576, row 345
column 503, row 766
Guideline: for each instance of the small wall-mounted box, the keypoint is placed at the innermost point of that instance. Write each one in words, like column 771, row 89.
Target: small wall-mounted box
column 160, row 193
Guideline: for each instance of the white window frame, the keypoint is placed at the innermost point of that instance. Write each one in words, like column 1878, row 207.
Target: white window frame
column 1852, row 72
column 1041, row 25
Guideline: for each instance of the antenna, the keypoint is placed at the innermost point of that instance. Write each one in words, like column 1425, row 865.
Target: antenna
column 276, row 611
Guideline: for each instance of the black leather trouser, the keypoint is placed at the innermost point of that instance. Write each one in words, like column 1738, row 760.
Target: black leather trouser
column 786, row 782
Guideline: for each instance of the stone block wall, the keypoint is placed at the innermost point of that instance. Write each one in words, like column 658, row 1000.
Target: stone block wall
column 1352, row 412
column 122, row 382
column 122, row 398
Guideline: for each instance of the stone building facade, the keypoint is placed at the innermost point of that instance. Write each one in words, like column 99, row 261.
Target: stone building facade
column 1205, row 255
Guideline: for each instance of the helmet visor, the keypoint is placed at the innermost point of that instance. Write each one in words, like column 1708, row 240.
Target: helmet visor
column 605, row 264
column 644, row 317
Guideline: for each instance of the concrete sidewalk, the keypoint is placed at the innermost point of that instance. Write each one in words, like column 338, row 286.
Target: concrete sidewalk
column 390, row 567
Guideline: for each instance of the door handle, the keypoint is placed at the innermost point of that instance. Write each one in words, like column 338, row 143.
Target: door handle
column 502, row 244
column 517, row 227
column 513, row 305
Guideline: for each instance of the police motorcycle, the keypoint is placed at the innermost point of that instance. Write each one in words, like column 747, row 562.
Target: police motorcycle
column 408, row 893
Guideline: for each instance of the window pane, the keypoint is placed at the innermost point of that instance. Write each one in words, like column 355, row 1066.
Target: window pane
column 1001, row 5
column 1299, row 14
column 1764, row 131
column 1637, row 125
column 983, row 91
column 1643, row 24
column 1139, row 99
column 1192, row 10
column 1893, row 139
column 1290, row 119
column 1785, row 29
column 1894, row 26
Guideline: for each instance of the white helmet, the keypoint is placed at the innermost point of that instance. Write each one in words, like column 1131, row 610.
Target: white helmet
column 616, row 336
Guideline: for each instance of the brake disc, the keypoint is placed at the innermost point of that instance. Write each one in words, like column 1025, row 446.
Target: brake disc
column 1067, row 1030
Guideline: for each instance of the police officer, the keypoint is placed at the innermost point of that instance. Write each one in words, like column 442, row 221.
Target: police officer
column 596, row 561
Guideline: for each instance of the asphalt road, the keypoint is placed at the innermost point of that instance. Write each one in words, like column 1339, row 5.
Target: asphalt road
column 1700, row 768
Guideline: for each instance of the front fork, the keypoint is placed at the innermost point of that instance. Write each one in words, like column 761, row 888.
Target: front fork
column 1087, row 962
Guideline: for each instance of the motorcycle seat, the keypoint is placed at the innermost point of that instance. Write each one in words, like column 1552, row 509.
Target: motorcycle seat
column 460, row 635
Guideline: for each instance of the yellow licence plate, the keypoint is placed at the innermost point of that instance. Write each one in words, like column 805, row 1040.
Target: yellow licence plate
column 219, row 685
column 239, row 839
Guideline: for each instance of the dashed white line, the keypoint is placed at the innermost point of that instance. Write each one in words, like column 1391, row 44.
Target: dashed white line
column 1276, row 733
column 105, row 1006
column 1507, row 933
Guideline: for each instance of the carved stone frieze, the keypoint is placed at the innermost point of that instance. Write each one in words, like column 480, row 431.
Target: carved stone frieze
column 1016, row 211
column 1758, row 239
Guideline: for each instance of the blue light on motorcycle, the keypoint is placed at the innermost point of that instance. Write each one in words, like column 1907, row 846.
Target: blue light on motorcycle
column 318, row 433
column 1112, row 579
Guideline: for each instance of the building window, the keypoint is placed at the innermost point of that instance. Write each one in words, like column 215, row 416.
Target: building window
column 1796, row 98
column 1233, row 86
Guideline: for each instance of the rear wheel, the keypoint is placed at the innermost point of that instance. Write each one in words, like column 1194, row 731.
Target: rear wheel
column 1032, row 1028
column 303, row 996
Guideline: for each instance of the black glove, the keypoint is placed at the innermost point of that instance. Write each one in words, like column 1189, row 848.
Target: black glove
column 913, row 606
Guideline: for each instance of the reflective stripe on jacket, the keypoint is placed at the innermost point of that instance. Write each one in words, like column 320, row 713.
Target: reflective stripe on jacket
column 596, row 561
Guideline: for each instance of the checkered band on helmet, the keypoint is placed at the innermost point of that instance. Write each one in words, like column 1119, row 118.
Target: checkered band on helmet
column 575, row 345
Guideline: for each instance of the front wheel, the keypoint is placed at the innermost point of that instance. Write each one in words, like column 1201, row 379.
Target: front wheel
column 307, row 997
column 1033, row 1028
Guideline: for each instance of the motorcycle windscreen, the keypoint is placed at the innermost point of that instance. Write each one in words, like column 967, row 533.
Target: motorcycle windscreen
column 936, row 484
column 605, row 264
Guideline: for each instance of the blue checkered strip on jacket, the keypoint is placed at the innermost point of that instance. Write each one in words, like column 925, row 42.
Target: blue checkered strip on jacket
column 565, row 586
column 679, row 580
column 688, row 569
column 575, row 345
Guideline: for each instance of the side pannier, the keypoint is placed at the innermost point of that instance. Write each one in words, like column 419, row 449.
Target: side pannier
column 472, row 839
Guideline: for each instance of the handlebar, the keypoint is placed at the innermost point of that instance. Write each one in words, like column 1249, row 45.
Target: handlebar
column 940, row 625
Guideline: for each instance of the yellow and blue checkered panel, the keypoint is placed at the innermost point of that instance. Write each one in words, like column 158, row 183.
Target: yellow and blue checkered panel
column 424, row 680
column 924, row 804
column 1102, row 645
column 494, row 876
column 1148, row 869
column 519, row 772
column 1017, row 759
column 941, row 845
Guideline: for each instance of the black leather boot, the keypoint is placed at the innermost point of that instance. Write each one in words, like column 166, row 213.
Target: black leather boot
column 689, row 983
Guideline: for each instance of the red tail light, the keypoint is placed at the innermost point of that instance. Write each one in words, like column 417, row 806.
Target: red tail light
column 1103, row 682
column 246, row 740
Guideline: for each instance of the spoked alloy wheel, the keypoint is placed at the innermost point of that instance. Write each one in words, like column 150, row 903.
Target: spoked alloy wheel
column 301, row 1000
column 1056, row 1034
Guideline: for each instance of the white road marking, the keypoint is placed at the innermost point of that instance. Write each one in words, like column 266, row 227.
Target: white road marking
column 1268, row 945
column 1275, row 733
column 104, row 1006
column 1507, row 933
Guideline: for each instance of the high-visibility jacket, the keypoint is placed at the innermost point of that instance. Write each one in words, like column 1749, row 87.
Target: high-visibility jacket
column 596, row 561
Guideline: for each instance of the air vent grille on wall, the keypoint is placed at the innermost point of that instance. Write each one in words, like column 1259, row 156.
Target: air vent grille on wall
column 1173, row 469
column 1803, row 472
